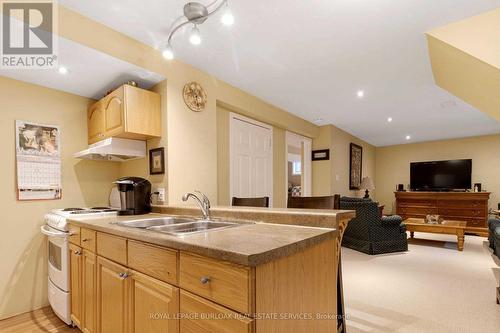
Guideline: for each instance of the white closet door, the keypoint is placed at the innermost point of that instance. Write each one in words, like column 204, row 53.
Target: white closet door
column 251, row 158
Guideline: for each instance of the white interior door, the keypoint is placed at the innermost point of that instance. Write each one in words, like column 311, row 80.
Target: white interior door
column 251, row 158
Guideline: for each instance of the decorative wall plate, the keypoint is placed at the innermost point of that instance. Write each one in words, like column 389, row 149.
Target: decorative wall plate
column 195, row 96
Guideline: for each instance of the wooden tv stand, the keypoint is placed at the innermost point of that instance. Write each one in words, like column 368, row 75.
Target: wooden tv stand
column 471, row 207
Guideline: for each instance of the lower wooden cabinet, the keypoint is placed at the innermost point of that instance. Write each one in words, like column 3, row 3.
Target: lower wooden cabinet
column 154, row 305
column 113, row 287
column 110, row 295
column 75, row 259
column 89, row 286
column 199, row 315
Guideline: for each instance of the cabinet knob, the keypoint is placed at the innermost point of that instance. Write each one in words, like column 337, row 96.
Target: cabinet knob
column 205, row 280
column 85, row 240
column 77, row 253
column 123, row 275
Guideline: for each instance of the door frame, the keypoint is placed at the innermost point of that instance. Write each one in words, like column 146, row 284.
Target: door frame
column 237, row 117
column 305, row 142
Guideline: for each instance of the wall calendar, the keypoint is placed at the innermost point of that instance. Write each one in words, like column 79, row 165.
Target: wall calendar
column 38, row 157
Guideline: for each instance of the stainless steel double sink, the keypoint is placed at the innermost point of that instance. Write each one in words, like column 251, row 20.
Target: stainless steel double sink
column 177, row 226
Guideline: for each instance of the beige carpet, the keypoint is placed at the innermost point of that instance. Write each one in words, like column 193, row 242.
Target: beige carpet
column 431, row 288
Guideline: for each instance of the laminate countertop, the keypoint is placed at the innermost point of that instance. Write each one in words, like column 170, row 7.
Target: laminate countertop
column 250, row 244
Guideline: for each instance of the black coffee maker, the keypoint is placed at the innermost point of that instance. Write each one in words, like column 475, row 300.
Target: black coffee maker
column 135, row 195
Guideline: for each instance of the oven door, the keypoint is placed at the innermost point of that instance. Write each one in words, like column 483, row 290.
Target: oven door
column 58, row 257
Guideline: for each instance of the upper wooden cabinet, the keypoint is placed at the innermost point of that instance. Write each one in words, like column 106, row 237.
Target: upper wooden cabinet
column 127, row 112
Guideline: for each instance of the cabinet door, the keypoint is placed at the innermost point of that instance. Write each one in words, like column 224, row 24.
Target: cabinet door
column 155, row 305
column 89, row 292
column 143, row 113
column 199, row 315
column 113, row 289
column 113, row 113
column 95, row 122
column 75, row 257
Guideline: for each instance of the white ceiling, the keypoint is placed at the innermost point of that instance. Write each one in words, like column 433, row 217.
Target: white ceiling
column 311, row 57
column 90, row 73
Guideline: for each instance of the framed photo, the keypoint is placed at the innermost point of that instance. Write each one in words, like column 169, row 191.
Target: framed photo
column 355, row 166
column 321, row 155
column 157, row 161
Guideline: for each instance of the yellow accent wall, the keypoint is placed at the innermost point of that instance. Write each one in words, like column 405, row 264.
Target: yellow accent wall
column 23, row 264
column 393, row 164
column 465, row 58
column 332, row 177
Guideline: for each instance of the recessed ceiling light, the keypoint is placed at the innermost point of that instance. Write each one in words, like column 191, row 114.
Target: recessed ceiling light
column 389, row 120
column 62, row 70
column 408, row 137
column 361, row 93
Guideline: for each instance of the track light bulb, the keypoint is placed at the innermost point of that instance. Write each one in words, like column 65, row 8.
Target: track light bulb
column 168, row 53
column 227, row 17
column 195, row 37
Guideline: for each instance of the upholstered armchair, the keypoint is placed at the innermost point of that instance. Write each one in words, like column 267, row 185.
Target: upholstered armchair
column 494, row 235
column 370, row 233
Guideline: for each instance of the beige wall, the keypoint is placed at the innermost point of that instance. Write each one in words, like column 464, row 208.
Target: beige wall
column 332, row 177
column 23, row 264
column 393, row 164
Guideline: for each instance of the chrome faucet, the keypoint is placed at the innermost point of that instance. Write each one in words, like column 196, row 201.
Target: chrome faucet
column 202, row 201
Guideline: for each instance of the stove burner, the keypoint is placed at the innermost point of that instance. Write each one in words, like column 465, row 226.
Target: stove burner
column 100, row 208
column 72, row 209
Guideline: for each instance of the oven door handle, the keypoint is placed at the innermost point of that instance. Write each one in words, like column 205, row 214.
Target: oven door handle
column 45, row 230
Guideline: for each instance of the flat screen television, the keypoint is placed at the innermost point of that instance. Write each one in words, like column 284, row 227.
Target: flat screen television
column 441, row 175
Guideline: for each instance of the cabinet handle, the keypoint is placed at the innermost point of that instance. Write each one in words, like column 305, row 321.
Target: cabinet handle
column 85, row 240
column 78, row 253
column 205, row 280
column 123, row 275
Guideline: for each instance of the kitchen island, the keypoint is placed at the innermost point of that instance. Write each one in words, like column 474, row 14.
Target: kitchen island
column 255, row 277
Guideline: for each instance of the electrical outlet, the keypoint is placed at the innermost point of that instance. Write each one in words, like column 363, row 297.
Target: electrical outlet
column 337, row 177
column 161, row 194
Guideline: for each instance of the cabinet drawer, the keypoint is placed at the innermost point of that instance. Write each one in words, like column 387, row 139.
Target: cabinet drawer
column 199, row 315
column 88, row 239
column 112, row 247
column 476, row 223
column 154, row 261
column 417, row 210
column 74, row 234
column 461, row 212
column 416, row 203
column 462, row 203
column 224, row 283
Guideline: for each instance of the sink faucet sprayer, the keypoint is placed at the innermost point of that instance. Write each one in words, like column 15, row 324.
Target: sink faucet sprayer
column 202, row 201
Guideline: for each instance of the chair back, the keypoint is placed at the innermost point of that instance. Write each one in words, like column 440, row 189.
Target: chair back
column 250, row 202
column 326, row 202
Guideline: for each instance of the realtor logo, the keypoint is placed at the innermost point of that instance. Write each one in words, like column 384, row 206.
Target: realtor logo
column 28, row 34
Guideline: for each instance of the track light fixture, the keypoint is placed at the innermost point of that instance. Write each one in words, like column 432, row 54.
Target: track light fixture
column 196, row 14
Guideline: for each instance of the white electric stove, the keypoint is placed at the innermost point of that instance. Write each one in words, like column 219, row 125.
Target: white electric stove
column 57, row 231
